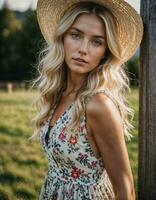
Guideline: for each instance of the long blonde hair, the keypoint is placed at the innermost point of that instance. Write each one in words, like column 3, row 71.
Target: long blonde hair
column 110, row 74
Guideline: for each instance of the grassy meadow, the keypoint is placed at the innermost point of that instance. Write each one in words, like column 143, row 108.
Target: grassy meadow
column 23, row 164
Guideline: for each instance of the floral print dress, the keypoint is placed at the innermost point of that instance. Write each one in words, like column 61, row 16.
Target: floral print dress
column 74, row 173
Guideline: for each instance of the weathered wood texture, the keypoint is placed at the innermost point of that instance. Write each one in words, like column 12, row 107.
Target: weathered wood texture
column 147, row 104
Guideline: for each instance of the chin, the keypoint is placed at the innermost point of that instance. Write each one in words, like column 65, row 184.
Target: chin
column 77, row 70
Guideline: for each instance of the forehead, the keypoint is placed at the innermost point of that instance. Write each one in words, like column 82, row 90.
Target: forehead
column 89, row 23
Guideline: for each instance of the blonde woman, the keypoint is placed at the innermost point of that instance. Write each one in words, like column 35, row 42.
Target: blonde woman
column 83, row 116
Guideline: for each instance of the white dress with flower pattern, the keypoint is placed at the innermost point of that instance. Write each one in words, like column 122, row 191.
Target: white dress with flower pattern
column 74, row 173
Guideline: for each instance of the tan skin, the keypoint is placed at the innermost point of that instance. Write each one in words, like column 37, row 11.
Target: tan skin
column 104, row 126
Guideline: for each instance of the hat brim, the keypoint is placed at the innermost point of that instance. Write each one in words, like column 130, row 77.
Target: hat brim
column 129, row 22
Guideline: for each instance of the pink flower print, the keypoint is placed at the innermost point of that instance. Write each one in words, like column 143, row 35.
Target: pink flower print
column 83, row 156
column 54, row 152
column 62, row 134
column 76, row 172
column 93, row 164
column 80, row 129
column 70, row 192
column 54, row 197
column 65, row 178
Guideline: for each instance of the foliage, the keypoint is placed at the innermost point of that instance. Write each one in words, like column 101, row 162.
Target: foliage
column 9, row 26
column 30, row 41
column 133, row 71
column 20, row 40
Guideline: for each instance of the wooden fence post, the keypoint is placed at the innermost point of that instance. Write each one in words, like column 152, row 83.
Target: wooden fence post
column 9, row 87
column 147, row 104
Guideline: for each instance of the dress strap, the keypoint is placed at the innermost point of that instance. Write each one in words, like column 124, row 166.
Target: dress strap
column 109, row 94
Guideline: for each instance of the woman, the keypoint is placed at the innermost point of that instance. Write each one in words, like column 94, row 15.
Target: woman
column 83, row 114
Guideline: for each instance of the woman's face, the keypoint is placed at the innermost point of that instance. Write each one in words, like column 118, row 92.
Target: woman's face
column 84, row 43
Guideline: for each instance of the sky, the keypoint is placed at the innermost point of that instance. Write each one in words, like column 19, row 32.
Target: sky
column 23, row 5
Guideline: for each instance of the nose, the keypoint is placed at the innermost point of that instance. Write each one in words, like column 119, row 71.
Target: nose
column 83, row 49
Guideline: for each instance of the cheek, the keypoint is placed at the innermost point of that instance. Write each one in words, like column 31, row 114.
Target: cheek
column 69, row 46
column 97, row 55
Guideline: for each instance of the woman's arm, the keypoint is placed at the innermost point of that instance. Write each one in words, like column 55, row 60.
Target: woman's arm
column 106, row 125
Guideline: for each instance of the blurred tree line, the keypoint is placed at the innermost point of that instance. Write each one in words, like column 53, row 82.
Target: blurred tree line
column 21, row 42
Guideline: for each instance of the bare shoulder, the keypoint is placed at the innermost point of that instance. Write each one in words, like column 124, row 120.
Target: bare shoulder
column 102, row 114
column 101, row 104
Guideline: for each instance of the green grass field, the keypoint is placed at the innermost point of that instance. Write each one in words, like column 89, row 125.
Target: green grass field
column 23, row 165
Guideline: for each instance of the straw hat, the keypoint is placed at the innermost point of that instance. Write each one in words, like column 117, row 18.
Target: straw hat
column 129, row 22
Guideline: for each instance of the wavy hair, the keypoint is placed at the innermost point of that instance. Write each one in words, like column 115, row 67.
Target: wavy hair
column 109, row 74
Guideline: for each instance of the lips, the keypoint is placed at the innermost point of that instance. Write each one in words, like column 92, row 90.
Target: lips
column 80, row 60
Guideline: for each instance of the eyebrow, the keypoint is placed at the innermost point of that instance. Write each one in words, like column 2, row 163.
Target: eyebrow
column 96, row 36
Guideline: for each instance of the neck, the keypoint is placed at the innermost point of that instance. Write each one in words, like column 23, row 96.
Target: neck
column 74, row 81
